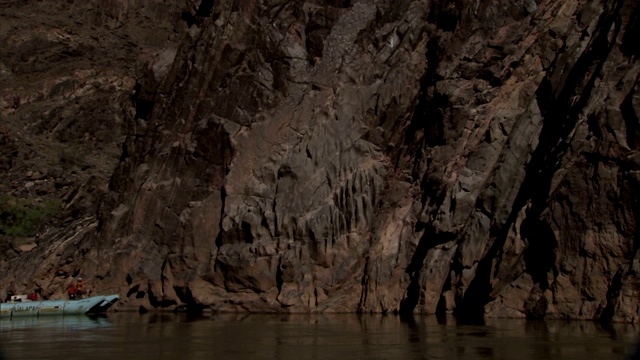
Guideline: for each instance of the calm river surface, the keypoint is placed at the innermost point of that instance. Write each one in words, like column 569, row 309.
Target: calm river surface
column 177, row 336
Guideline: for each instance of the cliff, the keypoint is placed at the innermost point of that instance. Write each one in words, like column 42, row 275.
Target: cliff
column 339, row 156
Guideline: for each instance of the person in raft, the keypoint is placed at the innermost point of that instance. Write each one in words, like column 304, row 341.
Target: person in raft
column 72, row 290
column 80, row 288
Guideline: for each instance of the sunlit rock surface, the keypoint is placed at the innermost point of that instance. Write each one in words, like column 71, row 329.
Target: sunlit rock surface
column 340, row 156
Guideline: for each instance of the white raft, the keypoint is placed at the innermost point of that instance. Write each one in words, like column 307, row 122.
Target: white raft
column 88, row 306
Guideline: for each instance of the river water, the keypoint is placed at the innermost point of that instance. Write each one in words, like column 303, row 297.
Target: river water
column 178, row 336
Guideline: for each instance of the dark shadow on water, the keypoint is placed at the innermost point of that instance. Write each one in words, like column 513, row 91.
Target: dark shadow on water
column 470, row 320
column 635, row 354
column 71, row 322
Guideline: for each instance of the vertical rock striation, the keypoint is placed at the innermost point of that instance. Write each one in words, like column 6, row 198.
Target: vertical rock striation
column 378, row 156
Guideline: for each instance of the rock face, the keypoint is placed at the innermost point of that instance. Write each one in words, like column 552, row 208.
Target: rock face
column 374, row 156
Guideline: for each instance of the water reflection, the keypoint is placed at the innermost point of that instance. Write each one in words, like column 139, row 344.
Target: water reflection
column 58, row 323
column 171, row 336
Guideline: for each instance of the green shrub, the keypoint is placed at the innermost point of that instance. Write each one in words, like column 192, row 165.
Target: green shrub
column 23, row 217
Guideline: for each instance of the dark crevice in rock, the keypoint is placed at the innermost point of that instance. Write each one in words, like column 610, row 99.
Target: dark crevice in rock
column 334, row 3
column 411, row 297
column 445, row 15
column 629, row 182
column 471, row 306
column 432, row 190
column 428, row 114
column 246, row 232
column 218, row 241
column 144, row 108
column 312, row 244
column 613, row 293
column 540, row 256
column 285, row 171
column 316, row 32
column 276, row 228
column 279, row 280
column 189, row 18
column 491, row 77
column 631, row 120
column 204, row 10
column 594, row 126
column 186, row 297
column 544, row 95
column 636, row 234
column 143, row 101
column 133, row 290
column 364, row 281
column 435, row 117
column 629, row 45
column 223, row 196
column 428, row 241
column 319, row 25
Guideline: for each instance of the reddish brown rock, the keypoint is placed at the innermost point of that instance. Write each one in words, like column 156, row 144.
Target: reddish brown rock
column 375, row 156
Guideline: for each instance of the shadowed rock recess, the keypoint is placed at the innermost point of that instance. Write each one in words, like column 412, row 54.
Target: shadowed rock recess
column 388, row 156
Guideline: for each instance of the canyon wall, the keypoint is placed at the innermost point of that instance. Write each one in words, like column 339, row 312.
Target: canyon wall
column 375, row 156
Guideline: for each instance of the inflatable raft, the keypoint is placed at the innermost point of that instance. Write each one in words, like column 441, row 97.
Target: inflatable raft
column 88, row 306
